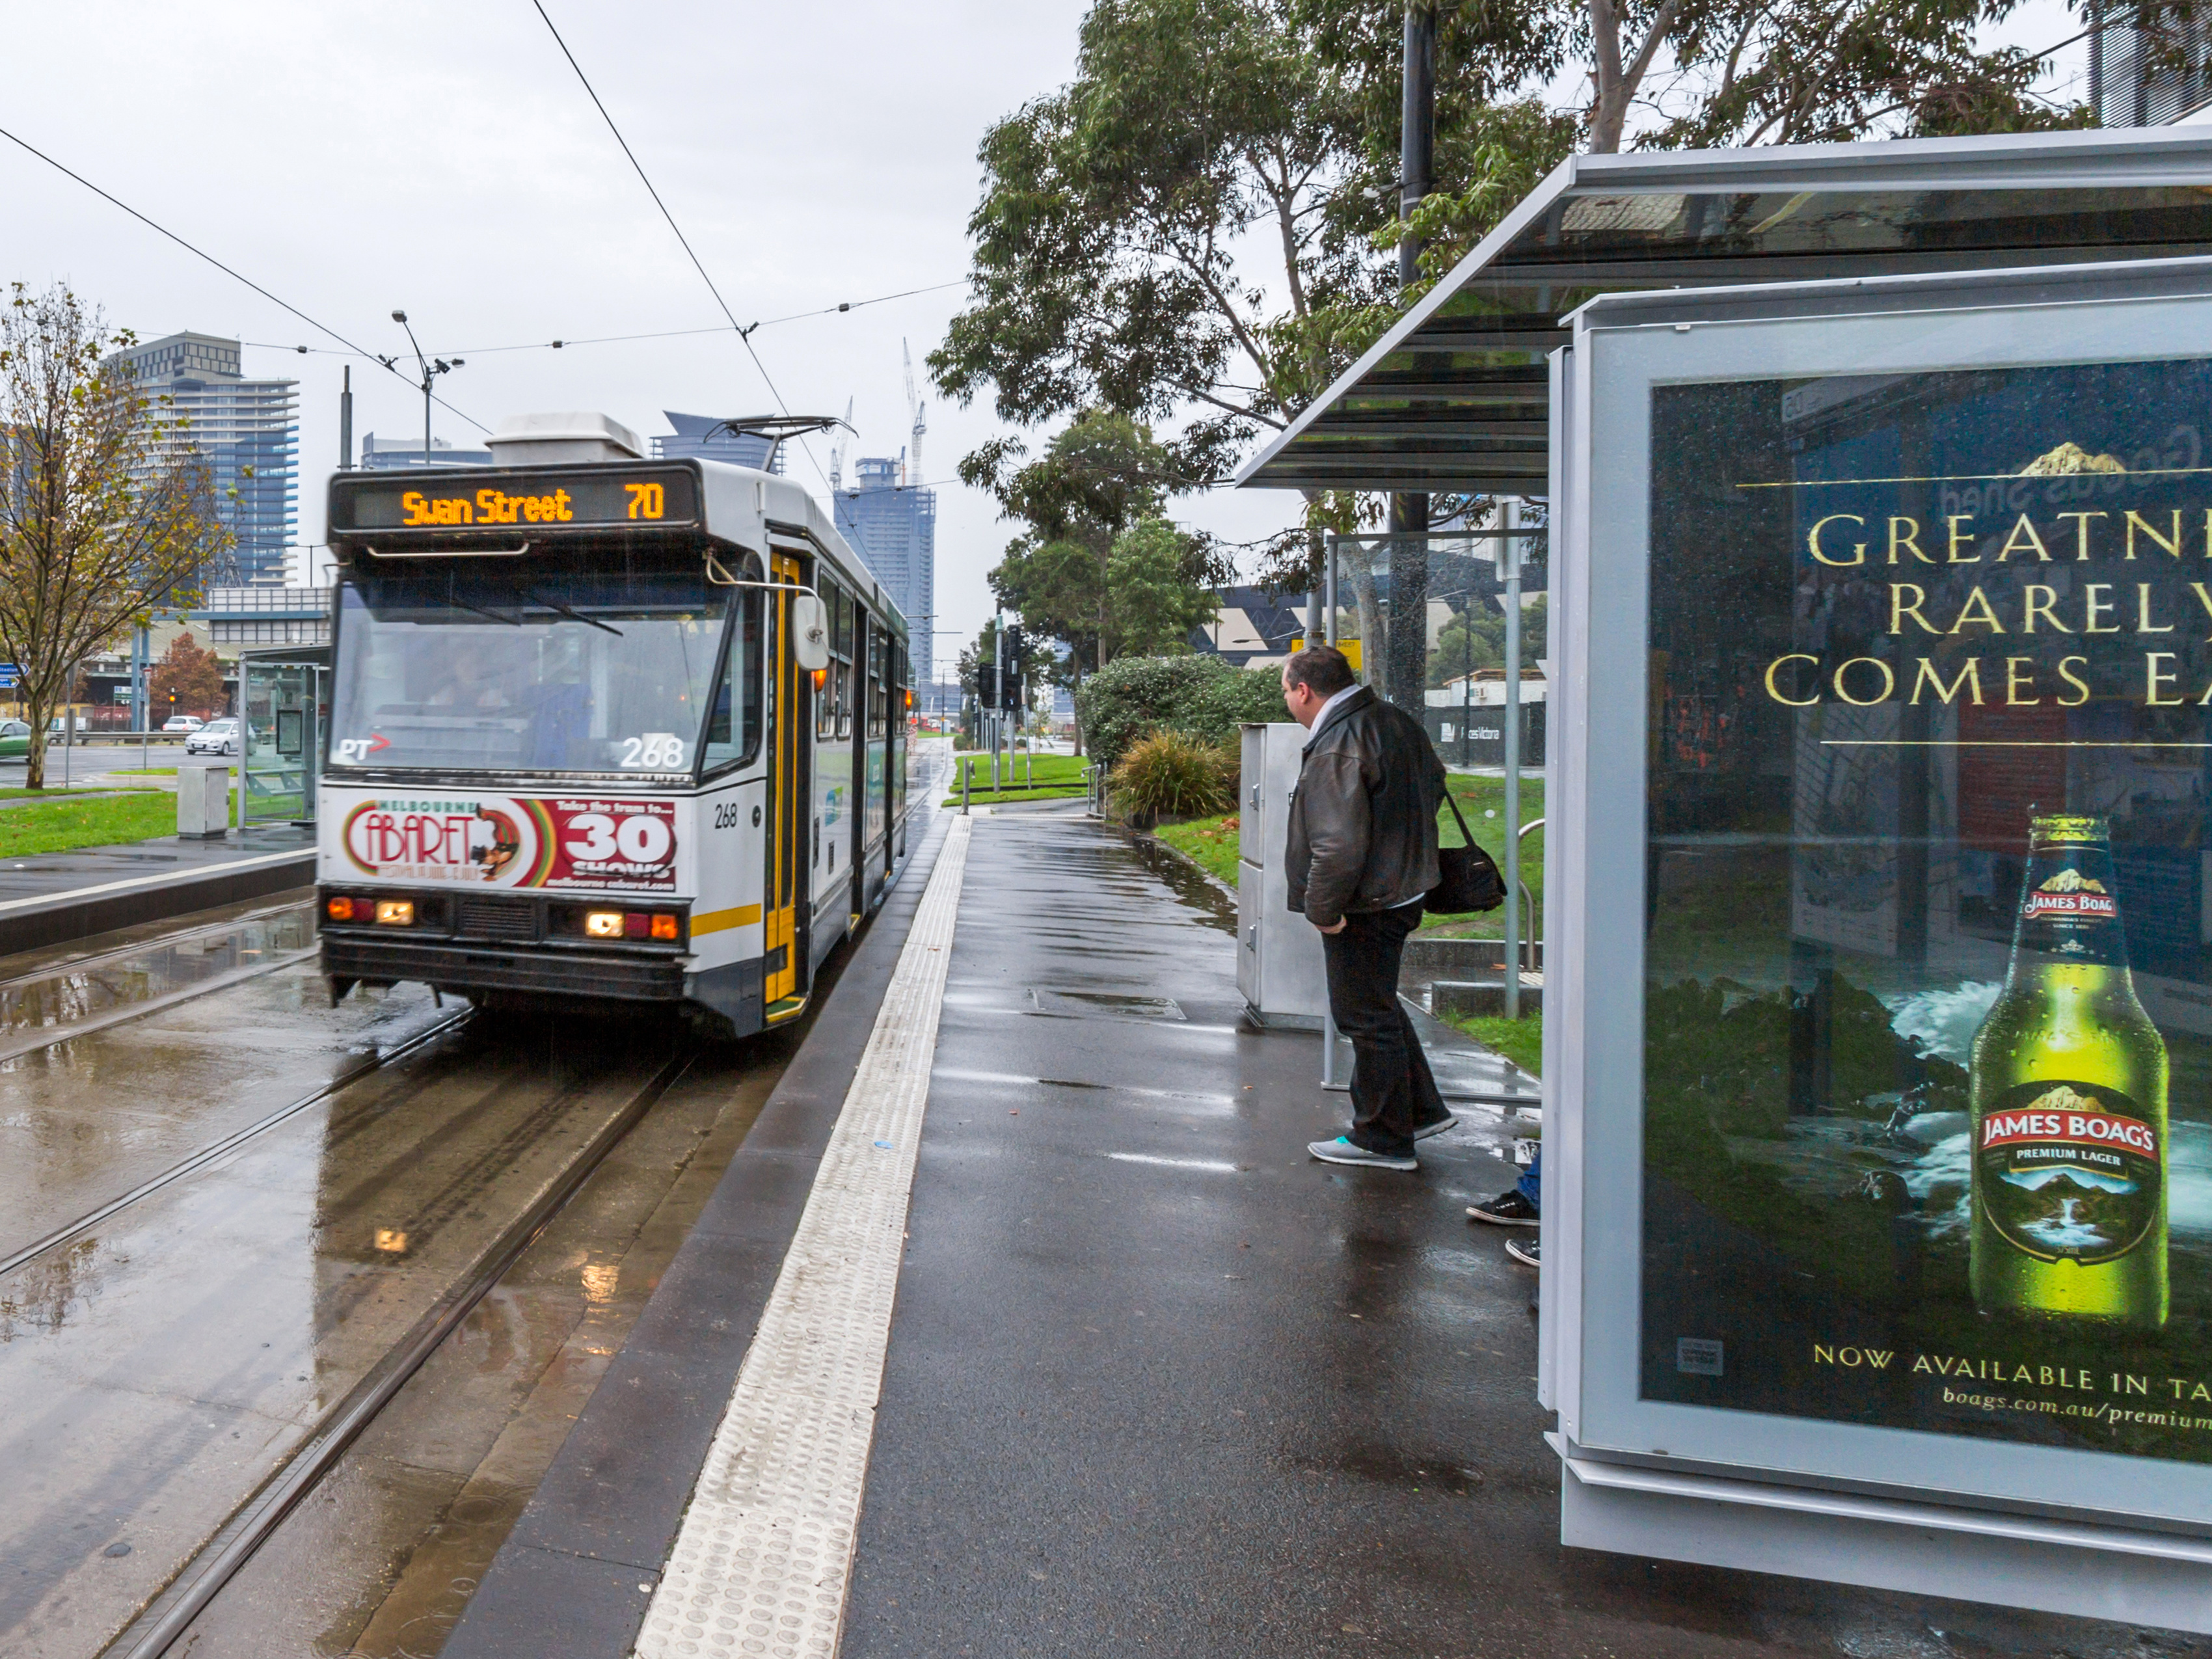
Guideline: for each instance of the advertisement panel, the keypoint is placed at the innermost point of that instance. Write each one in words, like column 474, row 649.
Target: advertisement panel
column 575, row 842
column 1927, row 1106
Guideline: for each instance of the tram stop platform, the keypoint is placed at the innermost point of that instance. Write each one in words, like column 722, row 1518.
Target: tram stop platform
column 58, row 898
column 1023, row 1324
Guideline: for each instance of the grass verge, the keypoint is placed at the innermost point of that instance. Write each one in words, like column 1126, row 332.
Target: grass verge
column 1210, row 843
column 1521, row 1041
column 65, row 824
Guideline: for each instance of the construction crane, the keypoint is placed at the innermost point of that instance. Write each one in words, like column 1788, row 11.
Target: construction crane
column 921, row 425
column 837, row 453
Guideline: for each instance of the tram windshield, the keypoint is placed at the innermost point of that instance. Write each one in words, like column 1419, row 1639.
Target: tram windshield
column 473, row 669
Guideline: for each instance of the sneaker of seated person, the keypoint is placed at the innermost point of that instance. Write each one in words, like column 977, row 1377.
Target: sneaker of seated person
column 1508, row 1209
column 1526, row 1251
column 1340, row 1150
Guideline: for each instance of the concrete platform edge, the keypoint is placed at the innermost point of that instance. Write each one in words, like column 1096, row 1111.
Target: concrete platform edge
column 576, row 1574
column 35, row 924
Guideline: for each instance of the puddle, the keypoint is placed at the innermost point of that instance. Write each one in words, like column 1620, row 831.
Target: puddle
column 81, row 990
column 1112, row 1002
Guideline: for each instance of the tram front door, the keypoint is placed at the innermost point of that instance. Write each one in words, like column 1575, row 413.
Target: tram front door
column 781, row 987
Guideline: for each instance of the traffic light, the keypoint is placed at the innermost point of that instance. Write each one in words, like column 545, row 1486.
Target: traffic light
column 1017, row 648
column 987, row 685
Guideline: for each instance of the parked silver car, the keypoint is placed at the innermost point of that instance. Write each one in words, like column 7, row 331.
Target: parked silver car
column 218, row 737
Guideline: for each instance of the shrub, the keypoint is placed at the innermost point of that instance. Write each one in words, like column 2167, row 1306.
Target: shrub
column 1198, row 695
column 1169, row 773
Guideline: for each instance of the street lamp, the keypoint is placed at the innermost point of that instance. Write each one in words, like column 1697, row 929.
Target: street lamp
column 431, row 367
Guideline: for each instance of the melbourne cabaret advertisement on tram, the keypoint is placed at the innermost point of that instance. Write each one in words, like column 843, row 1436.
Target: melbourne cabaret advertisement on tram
column 1927, row 1040
column 579, row 843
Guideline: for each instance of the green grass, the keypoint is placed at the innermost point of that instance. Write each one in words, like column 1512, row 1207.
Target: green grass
column 142, row 772
column 1521, row 1041
column 66, row 824
column 1210, row 843
column 57, row 790
column 1041, row 777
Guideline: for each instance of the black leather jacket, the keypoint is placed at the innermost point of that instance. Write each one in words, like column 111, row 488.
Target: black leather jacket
column 1363, row 821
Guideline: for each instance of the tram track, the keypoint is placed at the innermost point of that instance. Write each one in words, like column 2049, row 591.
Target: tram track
column 89, row 967
column 208, row 1154
column 172, row 1612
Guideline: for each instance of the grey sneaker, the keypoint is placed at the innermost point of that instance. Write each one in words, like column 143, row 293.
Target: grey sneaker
column 1340, row 1150
column 1447, row 1121
column 1529, row 1252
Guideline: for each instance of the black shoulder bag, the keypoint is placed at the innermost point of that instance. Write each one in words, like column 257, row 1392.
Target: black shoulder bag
column 1467, row 879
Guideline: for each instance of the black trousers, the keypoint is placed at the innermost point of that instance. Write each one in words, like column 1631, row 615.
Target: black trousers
column 1393, row 1092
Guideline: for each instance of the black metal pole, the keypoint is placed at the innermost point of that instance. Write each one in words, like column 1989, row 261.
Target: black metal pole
column 1406, row 675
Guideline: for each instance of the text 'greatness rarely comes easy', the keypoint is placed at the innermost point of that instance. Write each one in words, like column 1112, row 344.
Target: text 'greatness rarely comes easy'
column 1960, row 658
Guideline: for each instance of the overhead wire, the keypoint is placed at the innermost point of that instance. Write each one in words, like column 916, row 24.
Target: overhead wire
column 235, row 276
column 742, row 333
column 618, row 339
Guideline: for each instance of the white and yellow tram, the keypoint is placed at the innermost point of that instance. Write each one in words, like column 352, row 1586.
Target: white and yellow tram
column 604, row 729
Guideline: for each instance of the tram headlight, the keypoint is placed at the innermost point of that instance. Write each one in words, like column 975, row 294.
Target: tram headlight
column 395, row 913
column 664, row 928
column 603, row 924
column 340, row 907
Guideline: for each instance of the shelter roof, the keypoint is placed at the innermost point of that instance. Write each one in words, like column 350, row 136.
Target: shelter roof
column 1456, row 395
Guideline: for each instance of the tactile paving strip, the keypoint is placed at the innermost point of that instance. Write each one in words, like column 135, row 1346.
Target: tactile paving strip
column 762, row 1562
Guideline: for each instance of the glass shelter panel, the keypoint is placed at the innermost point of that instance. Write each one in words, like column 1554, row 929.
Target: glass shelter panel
column 287, row 705
column 1927, row 1057
column 1452, row 670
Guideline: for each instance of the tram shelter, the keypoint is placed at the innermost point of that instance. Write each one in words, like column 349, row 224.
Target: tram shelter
column 1473, row 393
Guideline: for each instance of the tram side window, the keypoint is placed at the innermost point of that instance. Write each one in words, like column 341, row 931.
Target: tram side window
column 830, row 701
column 733, row 726
column 833, row 714
column 877, row 707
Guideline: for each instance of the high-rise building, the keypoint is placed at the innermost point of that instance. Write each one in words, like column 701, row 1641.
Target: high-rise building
column 696, row 437
column 892, row 526
column 248, row 432
column 2148, row 67
column 397, row 454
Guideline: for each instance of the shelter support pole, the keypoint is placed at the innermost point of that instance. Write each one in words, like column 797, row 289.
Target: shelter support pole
column 1509, row 556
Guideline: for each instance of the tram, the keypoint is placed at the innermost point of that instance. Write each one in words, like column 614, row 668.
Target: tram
column 604, row 730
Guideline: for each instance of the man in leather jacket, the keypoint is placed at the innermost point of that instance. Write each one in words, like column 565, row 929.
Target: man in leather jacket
column 1361, row 858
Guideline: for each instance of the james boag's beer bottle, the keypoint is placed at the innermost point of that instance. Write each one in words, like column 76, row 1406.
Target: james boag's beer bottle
column 2068, row 1087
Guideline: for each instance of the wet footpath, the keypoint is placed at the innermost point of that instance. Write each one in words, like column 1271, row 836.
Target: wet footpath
column 1023, row 1325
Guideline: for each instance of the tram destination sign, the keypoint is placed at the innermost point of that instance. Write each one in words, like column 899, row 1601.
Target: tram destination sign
column 541, row 499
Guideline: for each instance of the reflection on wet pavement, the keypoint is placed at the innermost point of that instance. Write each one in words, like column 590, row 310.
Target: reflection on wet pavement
column 382, row 1560
column 98, row 985
column 153, row 1371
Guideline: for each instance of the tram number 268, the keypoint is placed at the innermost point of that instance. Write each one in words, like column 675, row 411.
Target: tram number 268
column 646, row 500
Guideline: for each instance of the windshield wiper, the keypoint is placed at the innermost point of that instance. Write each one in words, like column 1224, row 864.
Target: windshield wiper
column 511, row 622
column 573, row 616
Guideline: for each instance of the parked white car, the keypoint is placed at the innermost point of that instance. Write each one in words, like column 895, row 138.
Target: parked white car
column 218, row 737
column 183, row 723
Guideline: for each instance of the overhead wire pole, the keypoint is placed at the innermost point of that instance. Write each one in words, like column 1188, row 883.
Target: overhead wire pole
column 202, row 254
column 744, row 334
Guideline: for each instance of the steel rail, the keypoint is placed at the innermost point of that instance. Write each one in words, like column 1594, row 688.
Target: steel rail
column 258, row 1517
column 63, row 965
column 208, row 1154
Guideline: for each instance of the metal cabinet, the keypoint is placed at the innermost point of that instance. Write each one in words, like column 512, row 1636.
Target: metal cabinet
column 1278, row 958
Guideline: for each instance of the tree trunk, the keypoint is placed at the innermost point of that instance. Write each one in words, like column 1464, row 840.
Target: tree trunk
column 38, row 708
column 1075, row 697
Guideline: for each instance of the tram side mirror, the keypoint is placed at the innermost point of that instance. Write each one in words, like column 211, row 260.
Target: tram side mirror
column 809, row 631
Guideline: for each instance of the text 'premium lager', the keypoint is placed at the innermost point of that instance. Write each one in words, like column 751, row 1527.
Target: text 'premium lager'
column 2069, row 1091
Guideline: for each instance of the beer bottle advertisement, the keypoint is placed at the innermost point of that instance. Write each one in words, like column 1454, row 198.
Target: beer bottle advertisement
column 1928, row 1000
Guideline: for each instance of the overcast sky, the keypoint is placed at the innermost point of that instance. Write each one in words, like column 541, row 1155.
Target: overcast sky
column 443, row 158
